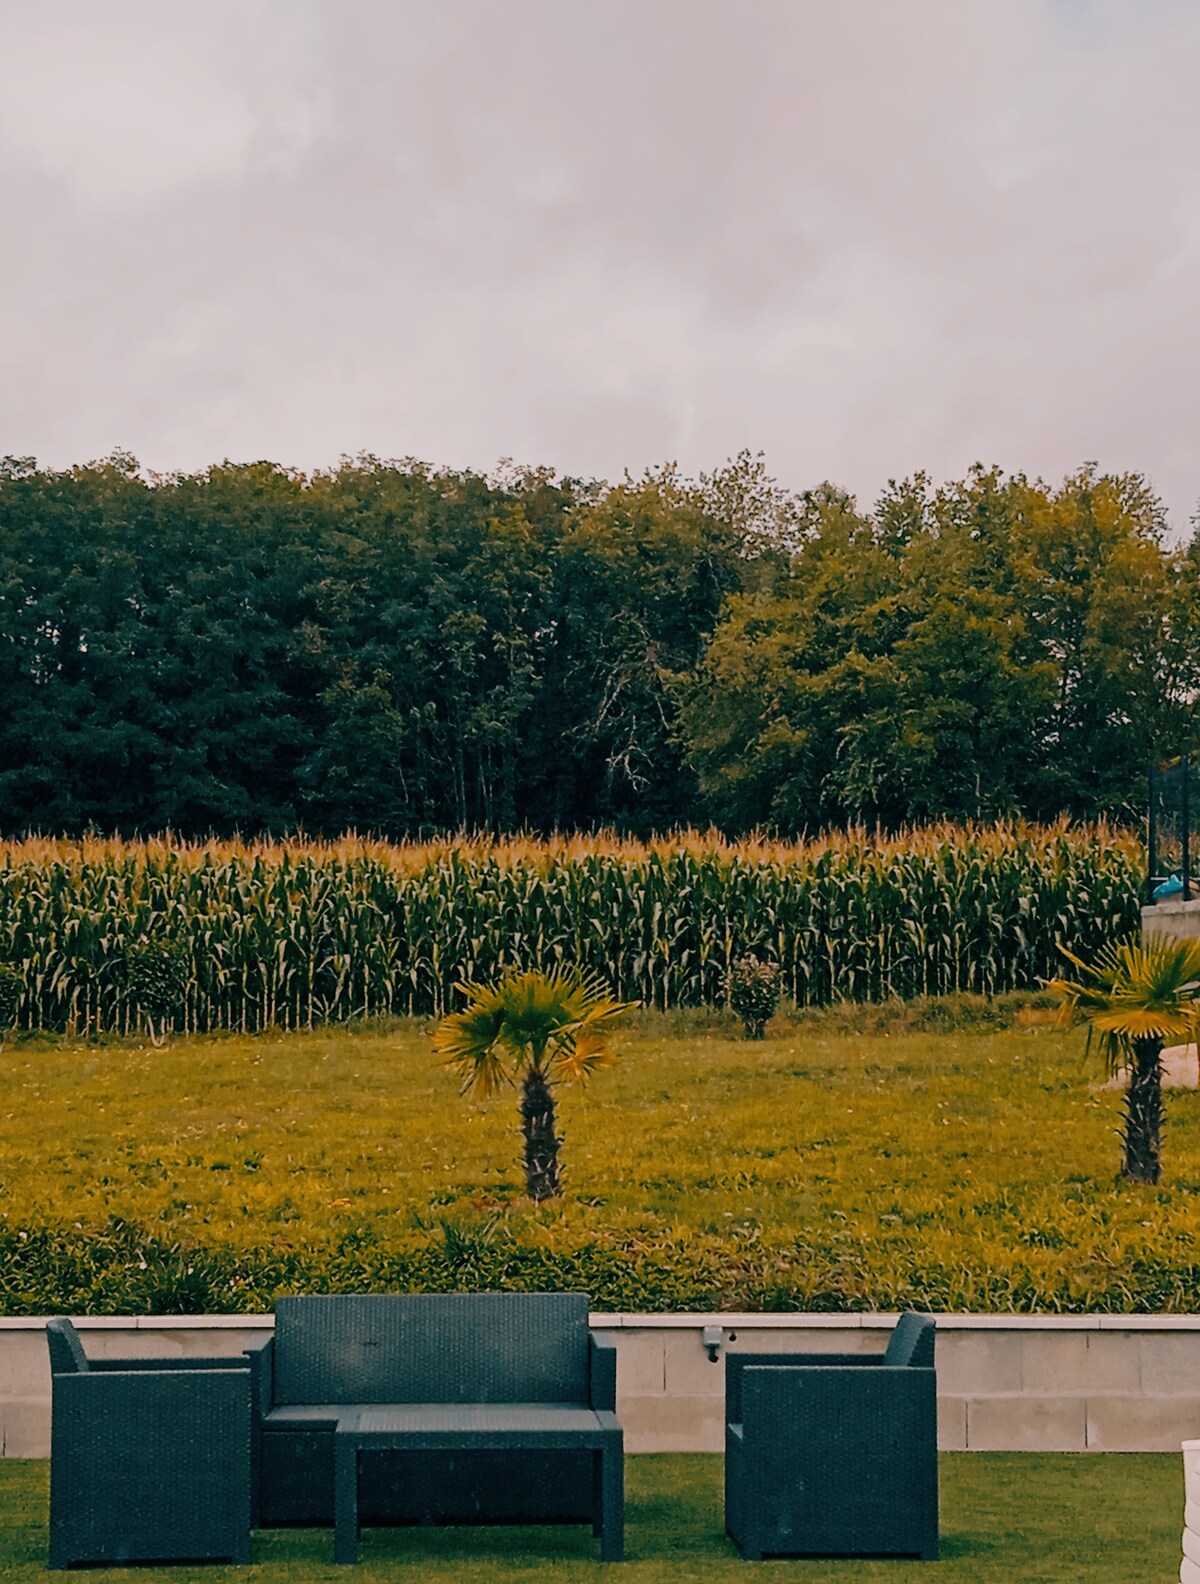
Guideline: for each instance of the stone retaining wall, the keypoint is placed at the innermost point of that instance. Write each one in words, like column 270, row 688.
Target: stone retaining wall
column 1172, row 920
column 1086, row 1383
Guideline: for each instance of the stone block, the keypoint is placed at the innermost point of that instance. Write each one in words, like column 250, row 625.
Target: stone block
column 1114, row 1362
column 1170, row 1362
column 24, row 1365
column 1015, row 1423
column 689, row 1372
column 952, row 1424
column 641, row 1367
column 674, row 1424
column 195, row 1343
column 25, row 1428
column 1056, row 1362
column 1123, row 1423
column 976, row 1363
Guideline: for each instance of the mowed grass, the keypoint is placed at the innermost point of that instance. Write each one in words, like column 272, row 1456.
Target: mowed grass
column 820, row 1168
column 1007, row 1518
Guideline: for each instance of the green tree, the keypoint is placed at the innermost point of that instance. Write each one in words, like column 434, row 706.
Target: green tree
column 540, row 1028
column 1134, row 997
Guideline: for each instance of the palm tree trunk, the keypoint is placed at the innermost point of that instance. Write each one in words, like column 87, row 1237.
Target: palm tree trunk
column 543, row 1179
column 1143, row 1114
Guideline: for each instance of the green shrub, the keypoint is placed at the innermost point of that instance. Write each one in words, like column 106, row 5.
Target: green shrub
column 156, row 977
column 120, row 1268
column 754, row 994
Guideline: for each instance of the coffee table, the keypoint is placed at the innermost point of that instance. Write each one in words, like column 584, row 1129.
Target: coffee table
column 488, row 1428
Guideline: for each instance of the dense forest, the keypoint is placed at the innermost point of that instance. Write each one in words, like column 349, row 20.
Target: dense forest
column 403, row 650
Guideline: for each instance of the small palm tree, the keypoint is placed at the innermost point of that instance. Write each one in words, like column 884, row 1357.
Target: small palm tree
column 540, row 1028
column 1134, row 997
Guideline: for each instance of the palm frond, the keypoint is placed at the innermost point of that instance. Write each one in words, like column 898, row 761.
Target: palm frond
column 535, row 1018
column 582, row 1055
column 1134, row 990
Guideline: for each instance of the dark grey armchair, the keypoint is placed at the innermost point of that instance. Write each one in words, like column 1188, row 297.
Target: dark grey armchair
column 834, row 1454
column 150, row 1458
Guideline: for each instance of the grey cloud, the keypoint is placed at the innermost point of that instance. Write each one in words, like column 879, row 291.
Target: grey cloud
column 870, row 237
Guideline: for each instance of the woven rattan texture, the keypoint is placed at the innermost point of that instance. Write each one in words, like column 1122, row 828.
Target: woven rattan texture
column 445, row 1348
column 150, row 1466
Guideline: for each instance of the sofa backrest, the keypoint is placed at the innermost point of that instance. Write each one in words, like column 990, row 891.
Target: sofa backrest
column 432, row 1347
column 912, row 1341
column 66, row 1350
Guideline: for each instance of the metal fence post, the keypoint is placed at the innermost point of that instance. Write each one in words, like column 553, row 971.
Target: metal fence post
column 1184, row 821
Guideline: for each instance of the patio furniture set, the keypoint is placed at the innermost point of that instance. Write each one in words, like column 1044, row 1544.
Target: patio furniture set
column 467, row 1408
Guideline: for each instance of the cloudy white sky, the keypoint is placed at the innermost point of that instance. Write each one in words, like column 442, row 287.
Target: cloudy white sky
column 864, row 237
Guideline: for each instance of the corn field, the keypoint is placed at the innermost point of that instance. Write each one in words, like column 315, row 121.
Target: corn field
column 296, row 934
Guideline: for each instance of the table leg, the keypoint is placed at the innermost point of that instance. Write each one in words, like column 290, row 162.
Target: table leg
column 345, row 1499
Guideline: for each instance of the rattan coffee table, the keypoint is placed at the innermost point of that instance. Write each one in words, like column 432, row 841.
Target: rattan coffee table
column 489, row 1428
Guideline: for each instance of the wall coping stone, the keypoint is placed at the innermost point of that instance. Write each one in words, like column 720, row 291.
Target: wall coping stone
column 773, row 1321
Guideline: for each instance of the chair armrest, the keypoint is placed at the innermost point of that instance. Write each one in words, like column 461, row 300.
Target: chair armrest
column 224, row 1361
column 261, row 1358
column 602, row 1367
column 98, row 1387
column 735, row 1363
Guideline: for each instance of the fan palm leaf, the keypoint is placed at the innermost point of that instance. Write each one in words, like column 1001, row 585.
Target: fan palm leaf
column 537, row 1028
column 1134, row 996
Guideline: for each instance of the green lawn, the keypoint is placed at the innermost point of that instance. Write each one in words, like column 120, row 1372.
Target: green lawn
column 1020, row 1518
column 822, row 1168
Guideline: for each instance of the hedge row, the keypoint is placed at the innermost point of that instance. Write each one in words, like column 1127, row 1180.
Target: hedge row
column 119, row 1268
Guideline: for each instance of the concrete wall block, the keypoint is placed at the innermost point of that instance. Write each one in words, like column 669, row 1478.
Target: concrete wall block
column 1055, row 1362
column 1114, row 1362
column 24, row 1365
column 975, row 1363
column 147, row 1343
column 25, row 1428
column 1016, row 1423
column 1170, row 1362
column 641, row 1365
column 952, row 1424
column 1123, row 1423
column 688, row 1370
column 674, row 1424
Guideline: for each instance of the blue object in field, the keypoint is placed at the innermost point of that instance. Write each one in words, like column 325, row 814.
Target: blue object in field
column 1169, row 888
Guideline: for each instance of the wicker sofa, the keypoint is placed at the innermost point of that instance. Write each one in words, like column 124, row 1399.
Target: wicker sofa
column 150, row 1457
column 331, row 1354
column 834, row 1454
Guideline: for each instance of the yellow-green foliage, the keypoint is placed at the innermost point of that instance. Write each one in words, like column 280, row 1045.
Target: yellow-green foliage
column 298, row 934
column 818, row 1170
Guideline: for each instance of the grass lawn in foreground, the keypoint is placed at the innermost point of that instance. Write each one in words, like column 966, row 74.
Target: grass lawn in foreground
column 821, row 1168
column 1007, row 1518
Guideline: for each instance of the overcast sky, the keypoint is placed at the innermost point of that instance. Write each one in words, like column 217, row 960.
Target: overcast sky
column 864, row 237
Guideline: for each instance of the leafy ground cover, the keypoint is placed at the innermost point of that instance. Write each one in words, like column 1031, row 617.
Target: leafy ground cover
column 829, row 1167
column 1020, row 1518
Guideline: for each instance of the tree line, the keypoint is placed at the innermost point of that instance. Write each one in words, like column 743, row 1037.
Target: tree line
column 405, row 650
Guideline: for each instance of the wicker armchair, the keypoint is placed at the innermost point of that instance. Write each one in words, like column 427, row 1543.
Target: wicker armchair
column 150, row 1458
column 834, row 1454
